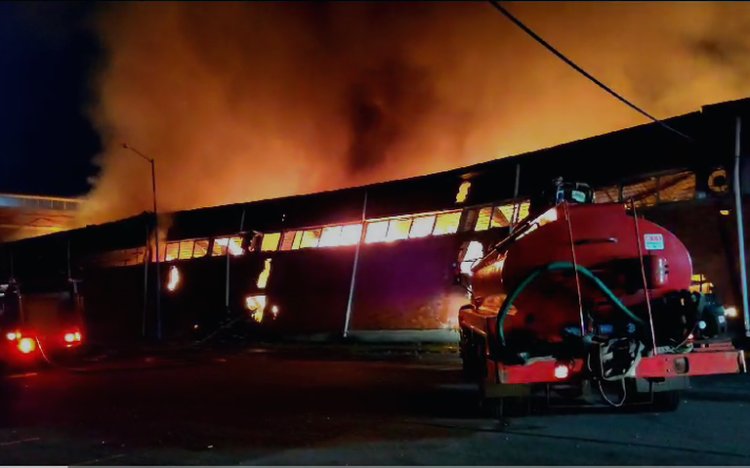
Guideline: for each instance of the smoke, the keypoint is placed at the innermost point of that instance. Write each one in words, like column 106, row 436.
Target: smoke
column 245, row 101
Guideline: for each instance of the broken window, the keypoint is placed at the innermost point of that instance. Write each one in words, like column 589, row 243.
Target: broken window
column 235, row 246
column 201, row 248
column 504, row 215
column 219, row 247
column 256, row 306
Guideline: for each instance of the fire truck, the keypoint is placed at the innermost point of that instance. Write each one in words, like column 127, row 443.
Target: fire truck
column 38, row 327
column 589, row 304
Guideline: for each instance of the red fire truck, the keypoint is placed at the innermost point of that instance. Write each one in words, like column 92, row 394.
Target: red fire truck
column 589, row 303
column 37, row 327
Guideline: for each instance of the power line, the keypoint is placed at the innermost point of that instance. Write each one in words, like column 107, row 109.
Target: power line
column 580, row 70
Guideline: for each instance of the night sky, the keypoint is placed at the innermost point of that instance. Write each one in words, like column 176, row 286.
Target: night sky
column 47, row 55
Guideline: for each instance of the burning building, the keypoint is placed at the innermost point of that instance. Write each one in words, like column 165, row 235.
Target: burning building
column 380, row 257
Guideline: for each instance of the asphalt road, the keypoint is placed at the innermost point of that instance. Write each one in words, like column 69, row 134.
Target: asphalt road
column 310, row 408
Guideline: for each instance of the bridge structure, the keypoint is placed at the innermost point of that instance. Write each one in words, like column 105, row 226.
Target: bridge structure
column 23, row 216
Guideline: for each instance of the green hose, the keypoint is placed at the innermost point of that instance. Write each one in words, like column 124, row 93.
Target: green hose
column 556, row 266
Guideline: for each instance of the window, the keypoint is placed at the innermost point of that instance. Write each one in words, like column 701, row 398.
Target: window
column 607, row 195
column 220, row 247
column 398, row 229
column 331, row 236
column 483, row 219
column 351, row 234
column 376, row 232
column 643, row 193
column 297, row 240
column 287, row 240
column 502, row 216
column 677, row 187
column 422, row 226
column 201, row 248
column 310, row 238
column 270, row 242
column 173, row 249
column 186, row 249
column 523, row 211
column 447, row 223
column 162, row 251
column 235, row 246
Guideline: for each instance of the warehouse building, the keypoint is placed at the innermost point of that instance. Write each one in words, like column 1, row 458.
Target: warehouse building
column 379, row 260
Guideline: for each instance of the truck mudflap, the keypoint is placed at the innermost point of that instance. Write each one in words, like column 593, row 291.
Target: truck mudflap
column 661, row 366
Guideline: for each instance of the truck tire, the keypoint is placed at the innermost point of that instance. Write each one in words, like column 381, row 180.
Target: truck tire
column 666, row 402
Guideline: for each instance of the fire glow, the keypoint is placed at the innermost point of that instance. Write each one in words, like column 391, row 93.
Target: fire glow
column 173, row 280
column 256, row 305
column 398, row 98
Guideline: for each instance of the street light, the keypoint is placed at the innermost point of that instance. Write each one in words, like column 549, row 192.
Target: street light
column 156, row 236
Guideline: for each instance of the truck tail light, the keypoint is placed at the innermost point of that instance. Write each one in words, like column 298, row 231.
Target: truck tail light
column 562, row 370
column 26, row 345
column 72, row 337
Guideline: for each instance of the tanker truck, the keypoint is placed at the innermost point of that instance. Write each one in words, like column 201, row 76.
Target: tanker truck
column 589, row 304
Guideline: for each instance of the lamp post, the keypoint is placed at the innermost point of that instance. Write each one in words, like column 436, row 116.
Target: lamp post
column 156, row 237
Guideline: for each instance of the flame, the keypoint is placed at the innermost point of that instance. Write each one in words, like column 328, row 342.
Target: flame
column 463, row 191
column 474, row 252
column 264, row 275
column 256, row 306
column 174, row 278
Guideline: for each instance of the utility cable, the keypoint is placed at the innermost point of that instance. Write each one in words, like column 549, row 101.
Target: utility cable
column 580, row 70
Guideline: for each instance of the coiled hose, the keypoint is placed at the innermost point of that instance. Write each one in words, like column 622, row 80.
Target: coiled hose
column 558, row 266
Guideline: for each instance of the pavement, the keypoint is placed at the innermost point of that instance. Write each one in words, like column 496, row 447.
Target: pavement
column 337, row 404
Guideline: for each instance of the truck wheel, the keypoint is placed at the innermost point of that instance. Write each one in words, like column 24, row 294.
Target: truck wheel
column 666, row 402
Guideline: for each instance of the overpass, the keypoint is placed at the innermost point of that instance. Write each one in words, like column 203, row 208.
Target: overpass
column 23, row 216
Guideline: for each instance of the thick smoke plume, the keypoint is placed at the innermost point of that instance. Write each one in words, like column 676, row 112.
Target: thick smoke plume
column 244, row 101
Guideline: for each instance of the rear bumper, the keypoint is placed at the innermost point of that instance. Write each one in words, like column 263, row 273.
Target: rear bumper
column 663, row 366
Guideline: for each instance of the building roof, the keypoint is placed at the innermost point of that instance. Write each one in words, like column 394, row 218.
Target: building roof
column 602, row 160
